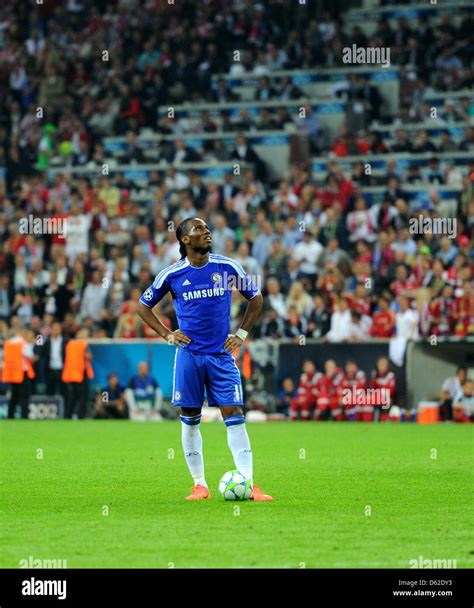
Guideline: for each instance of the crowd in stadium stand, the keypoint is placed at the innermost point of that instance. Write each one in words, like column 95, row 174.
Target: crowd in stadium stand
column 334, row 266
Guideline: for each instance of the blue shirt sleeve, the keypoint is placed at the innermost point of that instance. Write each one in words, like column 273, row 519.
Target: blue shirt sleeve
column 244, row 282
column 156, row 292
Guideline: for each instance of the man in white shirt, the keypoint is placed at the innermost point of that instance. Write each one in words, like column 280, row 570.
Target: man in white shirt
column 93, row 298
column 359, row 329
column 77, row 233
column 450, row 389
column 221, row 233
column 340, row 323
column 307, row 253
column 463, row 405
column 407, row 320
column 275, row 297
column 405, row 243
column 175, row 180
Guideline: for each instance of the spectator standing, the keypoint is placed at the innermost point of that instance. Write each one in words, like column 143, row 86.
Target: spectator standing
column 53, row 355
column 18, row 372
column 76, row 374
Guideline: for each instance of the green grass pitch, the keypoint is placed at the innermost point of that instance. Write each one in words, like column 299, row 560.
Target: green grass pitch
column 346, row 495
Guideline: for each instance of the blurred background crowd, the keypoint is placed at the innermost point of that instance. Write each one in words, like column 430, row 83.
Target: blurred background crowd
column 332, row 263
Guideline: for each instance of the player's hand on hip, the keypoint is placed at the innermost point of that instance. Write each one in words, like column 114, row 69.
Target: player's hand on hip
column 232, row 343
column 178, row 338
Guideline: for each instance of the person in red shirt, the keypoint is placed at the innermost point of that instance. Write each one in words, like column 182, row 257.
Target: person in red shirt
column 329, row 193
column 362, row 142
column 460, row 262
column 305, row 401
column 441, row 313
column 336, row 189
column 464, row 310
column 57, row 213
column 128, row 324
column 354, row 379
column 15, row 240
column 329, row 393
column 363, row 252
column 383, row 321
column 358, row 300
column 404, row 285
column 345, row 186
column 383, row 379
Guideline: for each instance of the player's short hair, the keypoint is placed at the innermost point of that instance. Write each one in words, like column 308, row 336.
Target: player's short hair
column 182, row 230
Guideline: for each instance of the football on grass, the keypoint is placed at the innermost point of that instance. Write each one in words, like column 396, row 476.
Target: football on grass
column 234, row 486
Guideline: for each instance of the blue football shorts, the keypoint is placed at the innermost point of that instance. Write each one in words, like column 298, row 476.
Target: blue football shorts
column 217, row 375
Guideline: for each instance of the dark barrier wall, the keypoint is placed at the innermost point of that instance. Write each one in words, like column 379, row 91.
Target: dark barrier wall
column 291, row 357
column 39, row 408
column 122, row 357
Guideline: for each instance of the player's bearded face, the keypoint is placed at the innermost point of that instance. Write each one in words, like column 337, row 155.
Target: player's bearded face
column 200, row 241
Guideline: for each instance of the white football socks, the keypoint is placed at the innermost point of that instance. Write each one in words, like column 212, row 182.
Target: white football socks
column 239, row 444
column 192, row 446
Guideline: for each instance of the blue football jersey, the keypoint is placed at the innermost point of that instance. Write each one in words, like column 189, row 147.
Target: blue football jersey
column 202, row 298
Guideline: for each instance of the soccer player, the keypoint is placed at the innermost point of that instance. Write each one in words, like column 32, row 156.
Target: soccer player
column 382, row 378
column 328, row 387
column 305, row 401
column 354, row 379
column 201, row 287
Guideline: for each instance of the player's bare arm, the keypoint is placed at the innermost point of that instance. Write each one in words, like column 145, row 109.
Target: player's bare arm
column 176, row 337
column 252, row 313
